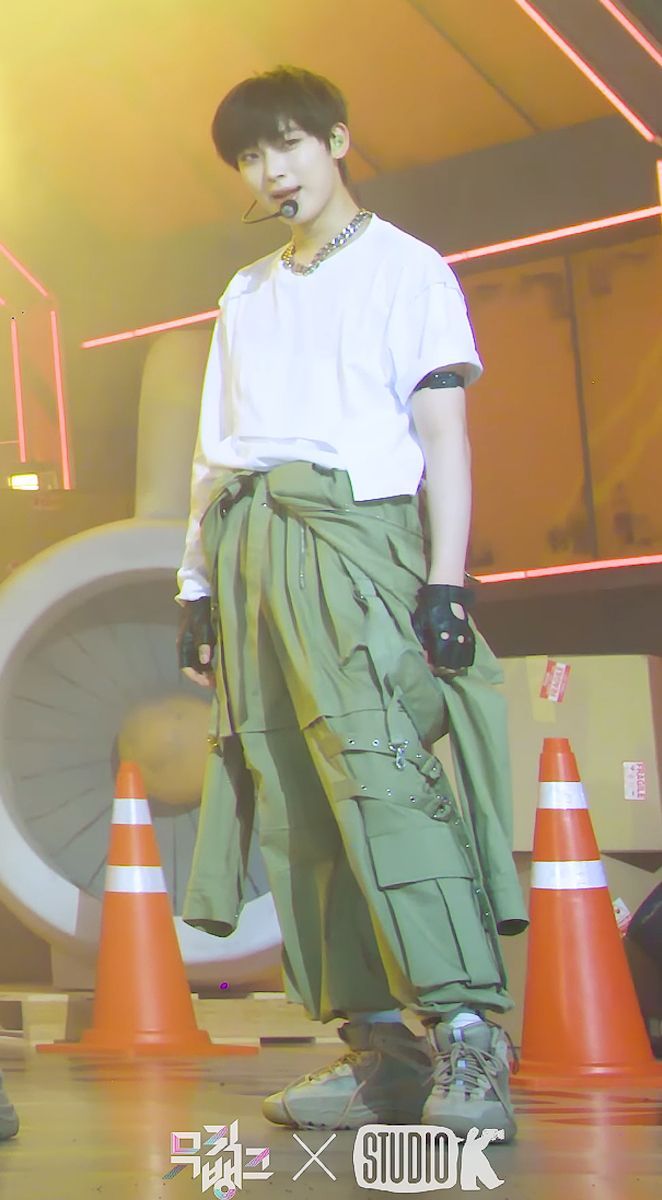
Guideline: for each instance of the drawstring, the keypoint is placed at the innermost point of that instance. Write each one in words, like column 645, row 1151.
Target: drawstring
column 302, row 557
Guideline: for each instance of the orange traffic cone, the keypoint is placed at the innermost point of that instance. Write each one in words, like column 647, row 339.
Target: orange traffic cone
column 142, row 1001
column 582, row 1022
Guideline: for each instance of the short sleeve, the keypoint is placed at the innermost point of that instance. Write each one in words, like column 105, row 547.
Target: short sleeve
column 428, row 332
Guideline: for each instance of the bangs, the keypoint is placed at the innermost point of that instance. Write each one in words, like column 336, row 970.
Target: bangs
column 261, row 109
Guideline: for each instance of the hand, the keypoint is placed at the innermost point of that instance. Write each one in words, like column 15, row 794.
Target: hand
column 195, row 642
column 441, row 624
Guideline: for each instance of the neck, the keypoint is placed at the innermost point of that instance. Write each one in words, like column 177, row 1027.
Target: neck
column 310, row 236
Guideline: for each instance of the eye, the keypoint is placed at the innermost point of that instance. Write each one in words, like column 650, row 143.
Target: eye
column 246, row 156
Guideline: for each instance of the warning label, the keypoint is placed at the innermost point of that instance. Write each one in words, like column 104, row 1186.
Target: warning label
column 634, row 781
column 555, row 681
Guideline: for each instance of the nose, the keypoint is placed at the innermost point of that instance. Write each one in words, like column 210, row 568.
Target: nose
column 273, row 163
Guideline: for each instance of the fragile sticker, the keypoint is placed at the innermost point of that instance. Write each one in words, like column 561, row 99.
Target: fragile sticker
column 555, row 681
column 634, row 781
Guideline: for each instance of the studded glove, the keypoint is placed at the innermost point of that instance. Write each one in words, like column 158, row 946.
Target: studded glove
column 195, row 630
column 447, row 640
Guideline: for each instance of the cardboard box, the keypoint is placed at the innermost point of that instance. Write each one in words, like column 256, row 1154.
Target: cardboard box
column 610, row 709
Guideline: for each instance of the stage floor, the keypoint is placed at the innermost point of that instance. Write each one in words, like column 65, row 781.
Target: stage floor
column 102, row 1130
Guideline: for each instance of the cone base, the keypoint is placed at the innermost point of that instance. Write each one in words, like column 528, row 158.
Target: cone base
column 192, row 1047
column 543, row 1076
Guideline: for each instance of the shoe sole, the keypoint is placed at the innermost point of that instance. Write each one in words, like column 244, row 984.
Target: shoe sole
column 462, row 1126
column 275, row 1112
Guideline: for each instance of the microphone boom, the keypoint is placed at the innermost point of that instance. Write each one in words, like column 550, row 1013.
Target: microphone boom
column 288, row 209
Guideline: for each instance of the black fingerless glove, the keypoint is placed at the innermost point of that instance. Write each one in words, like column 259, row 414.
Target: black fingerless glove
column 448, row 640
column 195, row 630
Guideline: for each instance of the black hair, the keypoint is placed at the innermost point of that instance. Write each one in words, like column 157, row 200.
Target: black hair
column 256, row 109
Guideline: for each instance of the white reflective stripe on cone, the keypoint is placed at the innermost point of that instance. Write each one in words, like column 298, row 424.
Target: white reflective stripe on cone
column 135, row 879
column 562, row 795
column 127, row 811
column 566, row 876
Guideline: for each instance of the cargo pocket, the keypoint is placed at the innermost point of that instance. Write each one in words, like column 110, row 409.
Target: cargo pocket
column 439, row 911
column 421, row 696
column 405, row 680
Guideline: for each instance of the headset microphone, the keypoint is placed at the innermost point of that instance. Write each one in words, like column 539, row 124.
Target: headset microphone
column 288, row 209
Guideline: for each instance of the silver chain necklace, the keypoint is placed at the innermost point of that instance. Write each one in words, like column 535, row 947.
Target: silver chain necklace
column 341, row 239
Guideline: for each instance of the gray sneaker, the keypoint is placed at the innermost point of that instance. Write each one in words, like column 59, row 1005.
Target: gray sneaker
column 8, row 1117
column 384, row 1079
column 471, row 1067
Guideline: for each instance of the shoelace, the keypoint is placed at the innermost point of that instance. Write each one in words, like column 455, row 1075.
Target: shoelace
column 351, row 1058
column 356, row 1058
column 469, row 1066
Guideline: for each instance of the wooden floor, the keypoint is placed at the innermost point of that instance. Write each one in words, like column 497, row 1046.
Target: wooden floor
column 101, row 1130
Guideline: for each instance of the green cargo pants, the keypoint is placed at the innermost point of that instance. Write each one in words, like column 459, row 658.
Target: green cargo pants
column 325, row 719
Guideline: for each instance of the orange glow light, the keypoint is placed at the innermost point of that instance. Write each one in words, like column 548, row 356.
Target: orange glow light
column 18, row 266
column 583, row 66
column 177, row 323
column 600, row 564
column 61, row 408
column 633, row 30
column 18, row 391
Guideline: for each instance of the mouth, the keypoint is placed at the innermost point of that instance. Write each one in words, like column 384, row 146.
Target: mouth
column 286, row 194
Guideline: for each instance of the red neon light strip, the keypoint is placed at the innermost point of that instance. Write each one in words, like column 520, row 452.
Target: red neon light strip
column 178, row 323
column 18, row 391
column 633, row 30
column 583, row 66
column 61, row 408
column 601, row 564
column 23, row 270
column 536, row 239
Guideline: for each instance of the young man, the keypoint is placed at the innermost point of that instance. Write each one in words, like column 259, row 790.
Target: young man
column 343, row 644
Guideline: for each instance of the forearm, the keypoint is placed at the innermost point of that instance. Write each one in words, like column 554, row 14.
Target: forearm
column 193, row 580
column 441, row 427
column 192, row 577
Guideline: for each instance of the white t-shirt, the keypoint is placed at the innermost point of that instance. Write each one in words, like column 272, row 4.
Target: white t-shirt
column 321, row 368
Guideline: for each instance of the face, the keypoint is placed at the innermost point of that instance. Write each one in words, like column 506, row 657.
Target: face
column 298, row 165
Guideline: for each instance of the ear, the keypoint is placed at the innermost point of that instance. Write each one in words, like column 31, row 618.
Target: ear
column 339, row 141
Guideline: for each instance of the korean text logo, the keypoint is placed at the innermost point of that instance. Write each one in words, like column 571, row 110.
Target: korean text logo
column 222, row 1165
